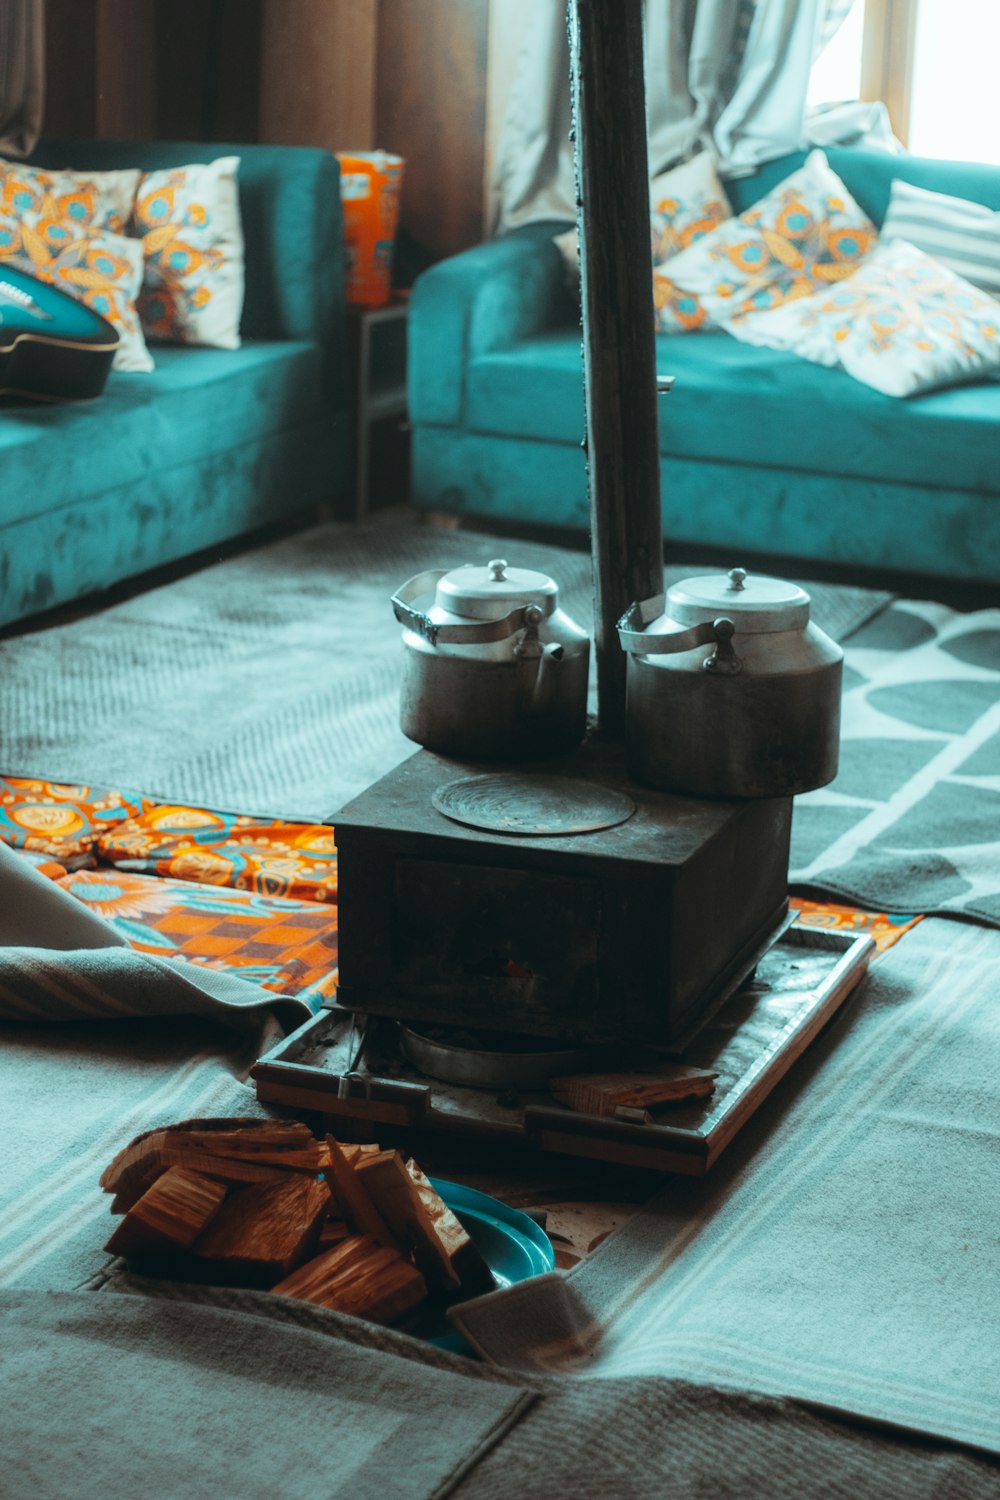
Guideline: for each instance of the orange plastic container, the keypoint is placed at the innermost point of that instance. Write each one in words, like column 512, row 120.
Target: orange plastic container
column 370, row 185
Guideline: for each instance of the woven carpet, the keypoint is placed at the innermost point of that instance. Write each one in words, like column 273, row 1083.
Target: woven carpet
column 266, row 684
column 844, row 1251
column 269, row 684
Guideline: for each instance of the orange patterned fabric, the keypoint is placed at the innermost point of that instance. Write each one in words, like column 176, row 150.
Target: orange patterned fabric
column 190, row 843
column 61, row 820
column 884, row 929
column 289, row 947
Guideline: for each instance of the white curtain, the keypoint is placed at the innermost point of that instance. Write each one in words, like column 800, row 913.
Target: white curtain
column 22, row 74
column 729, row 74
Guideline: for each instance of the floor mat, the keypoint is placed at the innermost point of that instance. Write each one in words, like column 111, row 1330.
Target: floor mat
column 269, row 683
column 912, row 821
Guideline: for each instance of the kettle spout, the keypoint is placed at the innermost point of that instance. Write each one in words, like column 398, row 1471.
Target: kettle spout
column 545, row 676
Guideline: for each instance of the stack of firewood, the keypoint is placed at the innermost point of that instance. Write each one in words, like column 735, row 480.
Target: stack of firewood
column 265, row 1204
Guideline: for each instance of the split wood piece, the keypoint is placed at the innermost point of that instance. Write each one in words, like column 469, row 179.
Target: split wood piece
column 333, row 1232
column 138, row 1164
column 227, row 1169
column 352, row 1199
column 416, row 1222
column 263, row 1231
column 467, row 1264
column 604, row 1093
column 308, row 1155
column 169, row 1216
column 358, row 1277
column 351, row 1151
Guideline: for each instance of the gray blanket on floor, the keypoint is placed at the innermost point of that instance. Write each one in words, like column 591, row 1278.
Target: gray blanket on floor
column 241, row 1392
column 846, row 1250
column 98, row 1043
column 106, row 1397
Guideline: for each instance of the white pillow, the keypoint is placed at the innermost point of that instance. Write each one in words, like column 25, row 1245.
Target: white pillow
column 963, row 236
column 103, row 199
column 806, row 233
column 192, row 238
column 684, row 204
column 902, row 323
column 93, row 264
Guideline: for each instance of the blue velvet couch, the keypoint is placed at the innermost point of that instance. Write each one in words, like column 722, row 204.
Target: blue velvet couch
column 213, row 443
column 762, row 453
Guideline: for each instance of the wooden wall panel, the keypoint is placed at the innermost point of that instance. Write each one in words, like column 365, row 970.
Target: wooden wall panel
column 317, row 74
column 430, row 107
column 207, row 68
column 70, row 68
column 126, row 92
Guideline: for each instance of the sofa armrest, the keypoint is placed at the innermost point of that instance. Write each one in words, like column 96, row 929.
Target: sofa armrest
column 484, row 299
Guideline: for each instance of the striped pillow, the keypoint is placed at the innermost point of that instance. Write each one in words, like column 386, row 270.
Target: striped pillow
column 961, row 235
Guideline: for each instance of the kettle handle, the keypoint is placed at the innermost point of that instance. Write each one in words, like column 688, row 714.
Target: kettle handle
column 635, row 639
column 475, row 633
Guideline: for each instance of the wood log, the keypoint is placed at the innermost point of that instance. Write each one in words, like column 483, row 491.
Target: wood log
column 604, row 1093
column 263, row 1231
column 358, row 1277
column 354, row 1202
column 170, row 1215
column 474, row 1275
column 287, row 1143
column 418, row 1217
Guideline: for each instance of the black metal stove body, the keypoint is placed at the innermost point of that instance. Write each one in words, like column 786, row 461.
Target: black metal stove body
column 630, row 933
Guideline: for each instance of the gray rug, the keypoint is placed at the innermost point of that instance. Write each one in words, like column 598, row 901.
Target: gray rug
column 115, row 1396
column 912, row 822
column 846, row 1248
column 267, row 684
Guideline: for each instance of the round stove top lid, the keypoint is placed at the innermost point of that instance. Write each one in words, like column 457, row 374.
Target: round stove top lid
column 529, row 806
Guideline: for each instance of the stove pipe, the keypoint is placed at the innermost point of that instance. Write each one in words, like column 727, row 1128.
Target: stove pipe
column 619, row 359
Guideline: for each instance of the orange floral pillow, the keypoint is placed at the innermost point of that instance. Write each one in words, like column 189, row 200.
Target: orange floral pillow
column 804, row 235
column 99, row 268
column 188, row 219
column 101, row 198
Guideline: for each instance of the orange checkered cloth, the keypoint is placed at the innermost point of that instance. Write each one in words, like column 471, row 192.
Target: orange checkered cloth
column 254, row 898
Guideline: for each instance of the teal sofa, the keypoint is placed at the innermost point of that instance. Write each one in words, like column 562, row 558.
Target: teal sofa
column 762, row 453
column 211, row 445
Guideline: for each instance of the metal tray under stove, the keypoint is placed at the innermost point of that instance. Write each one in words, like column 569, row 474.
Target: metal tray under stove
column 750, row 1042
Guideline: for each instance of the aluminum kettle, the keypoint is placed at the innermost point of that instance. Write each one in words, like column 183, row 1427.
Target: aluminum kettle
column 493, row 668
column 757, row 714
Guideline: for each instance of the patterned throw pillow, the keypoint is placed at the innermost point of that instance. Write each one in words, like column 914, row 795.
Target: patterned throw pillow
column 806, row 233
column 101, row 198
column 188, row 219
column 901, row 324
column 963, row 236
column 99, row 268
column 684, row 204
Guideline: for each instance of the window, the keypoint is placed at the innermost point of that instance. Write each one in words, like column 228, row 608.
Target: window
column 953, row 109
column 933, row 62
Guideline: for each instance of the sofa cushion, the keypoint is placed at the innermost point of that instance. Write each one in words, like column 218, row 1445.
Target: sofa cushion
column 196, row 403
column 729, row 401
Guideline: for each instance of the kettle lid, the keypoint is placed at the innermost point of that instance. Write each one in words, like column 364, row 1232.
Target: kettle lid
column 754, row 602
column 490, row 592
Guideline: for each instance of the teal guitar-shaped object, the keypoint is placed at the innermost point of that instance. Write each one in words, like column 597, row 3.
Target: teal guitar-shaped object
column 52, row 348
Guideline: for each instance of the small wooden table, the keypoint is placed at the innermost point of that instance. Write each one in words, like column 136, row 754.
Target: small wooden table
column 378, row 348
